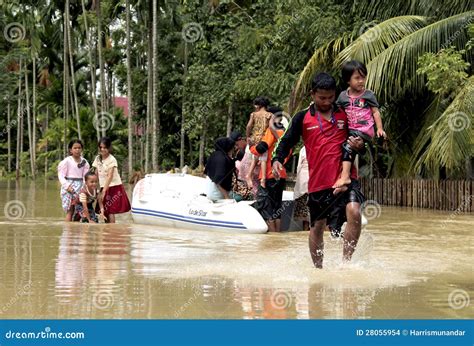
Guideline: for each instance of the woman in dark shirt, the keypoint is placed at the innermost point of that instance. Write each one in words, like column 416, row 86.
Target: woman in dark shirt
column 219, row 170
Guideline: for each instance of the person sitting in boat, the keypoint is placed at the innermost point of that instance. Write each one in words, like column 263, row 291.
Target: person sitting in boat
column 270, row 191
column 240, row 144
column 219, row 170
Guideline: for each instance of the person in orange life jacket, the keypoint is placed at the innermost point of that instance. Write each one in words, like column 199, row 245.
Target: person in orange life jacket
column 324, row 129
column 270, row 190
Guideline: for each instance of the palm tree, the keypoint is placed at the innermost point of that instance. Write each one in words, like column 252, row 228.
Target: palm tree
column 19, row 126
column 183, row 109
column 129, row 93
column 149, row 102
column 91, row 66
column 103, row 92
column 65, row 87
column 391, row 50
column 71, row 68
column 156, row 117
column 9, row 144
column 28, row 119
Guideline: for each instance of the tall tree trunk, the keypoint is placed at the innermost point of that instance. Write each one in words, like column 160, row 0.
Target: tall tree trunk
column 156, row 117
column 110, row 89
column 28, row 125
column 71, row 99
column 46, row 124
column 18, row 128
column 92, row 68
column 230, row 117
column 22, row 111
column 103, row 92
column 183, row 108
column 65, row 89
column 149, row 103
column 129, row 94
column 73, row 77
column 142, row 147
column 202, row 143
column 33, row 113
column 9, row 143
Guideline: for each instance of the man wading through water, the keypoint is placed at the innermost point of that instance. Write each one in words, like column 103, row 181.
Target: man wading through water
column 324, row 130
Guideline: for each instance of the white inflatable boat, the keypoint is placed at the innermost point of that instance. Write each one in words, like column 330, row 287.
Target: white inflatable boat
column 175, row 200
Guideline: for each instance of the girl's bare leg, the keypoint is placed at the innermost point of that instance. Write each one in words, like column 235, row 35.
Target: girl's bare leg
column 69, row 214
column 248, row 177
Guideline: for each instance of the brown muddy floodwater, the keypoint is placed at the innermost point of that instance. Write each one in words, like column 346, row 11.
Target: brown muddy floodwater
column 409, row 264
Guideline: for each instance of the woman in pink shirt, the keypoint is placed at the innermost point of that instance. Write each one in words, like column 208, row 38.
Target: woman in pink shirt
column 71, row 172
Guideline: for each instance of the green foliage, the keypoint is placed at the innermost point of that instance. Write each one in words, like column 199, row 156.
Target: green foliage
column 445, row 70
column 245, row 49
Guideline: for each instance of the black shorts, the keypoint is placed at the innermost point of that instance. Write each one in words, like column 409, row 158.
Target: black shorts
column 325, row 205
column 269, row 199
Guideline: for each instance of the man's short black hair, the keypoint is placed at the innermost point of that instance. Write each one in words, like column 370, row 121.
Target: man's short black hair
column 323, row 81
column 236, row 136
column 261, row 101
column 350, row 67
column 275, row 109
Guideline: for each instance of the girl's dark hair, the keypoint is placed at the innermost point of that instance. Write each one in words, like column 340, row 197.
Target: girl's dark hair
column 105, row 141
column 89, row 174
column 323, row 81
column 350, row 67
column 74, row 141
column 261, row 101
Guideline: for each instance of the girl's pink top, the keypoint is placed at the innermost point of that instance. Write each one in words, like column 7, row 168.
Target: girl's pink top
column 69, row 168
column 359, row 110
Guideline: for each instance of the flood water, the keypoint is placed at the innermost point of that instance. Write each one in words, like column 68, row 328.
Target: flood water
column 409, row 264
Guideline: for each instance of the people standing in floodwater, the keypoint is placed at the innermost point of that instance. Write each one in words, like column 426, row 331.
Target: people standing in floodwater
column 114, row 195
column 258, row 123
column 300, row 192
column 270, row 195
column 85, row 209
column 323, row 128
column 71, row 172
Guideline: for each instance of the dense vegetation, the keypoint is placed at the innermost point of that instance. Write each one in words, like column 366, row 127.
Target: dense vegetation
column 191, row 69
